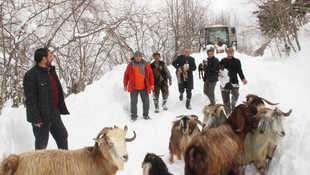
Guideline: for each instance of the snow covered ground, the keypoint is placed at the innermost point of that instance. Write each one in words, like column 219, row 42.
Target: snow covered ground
column 105, row 103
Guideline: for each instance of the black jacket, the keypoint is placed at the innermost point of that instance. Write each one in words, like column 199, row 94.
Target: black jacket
column 233, row 66
column 179, row 63
column 211, row 71
column 39, row 97
column 162, row 72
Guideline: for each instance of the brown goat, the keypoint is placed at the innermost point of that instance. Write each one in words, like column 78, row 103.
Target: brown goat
column 105, row 158
column 182, row 76
column 257, row 101
column 182, row 132
column 220, row 150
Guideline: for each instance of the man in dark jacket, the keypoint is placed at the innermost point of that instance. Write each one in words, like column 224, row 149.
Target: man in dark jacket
column 185, row 65
column 210, row 75
column 161, row 77
column 45, row 101
column 233, row 66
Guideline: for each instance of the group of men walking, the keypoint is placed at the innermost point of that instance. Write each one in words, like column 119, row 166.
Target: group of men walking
column 45, row 100
column 142, row 78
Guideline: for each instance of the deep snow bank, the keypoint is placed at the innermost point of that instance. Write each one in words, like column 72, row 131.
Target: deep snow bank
column 105, row 103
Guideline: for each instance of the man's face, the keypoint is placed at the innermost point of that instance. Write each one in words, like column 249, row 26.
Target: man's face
column 156, row 58
column 210, row 54
column 49, row 59
column 187, row 52
column 138, row 58
column 230, row 54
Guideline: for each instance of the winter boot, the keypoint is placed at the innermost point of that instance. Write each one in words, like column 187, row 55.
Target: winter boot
column 147, row 117
column 156, row 106
column 181, row 97
column 164, row 104
column 188, row 104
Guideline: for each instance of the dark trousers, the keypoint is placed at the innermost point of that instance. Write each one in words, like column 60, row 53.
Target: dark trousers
column 56, row 128
column 134, row 100
column 182, row 87
column 208, row 89
column 234, row 91
column 163, row 87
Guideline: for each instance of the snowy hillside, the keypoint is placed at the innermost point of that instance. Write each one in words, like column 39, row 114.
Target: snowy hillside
column 105, row 103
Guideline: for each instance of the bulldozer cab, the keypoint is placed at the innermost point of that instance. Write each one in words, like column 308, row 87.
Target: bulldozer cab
column 218, row 37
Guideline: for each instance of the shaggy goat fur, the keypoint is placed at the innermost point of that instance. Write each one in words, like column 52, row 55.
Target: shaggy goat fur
column 182, row 75
column 182, row 132
column 257, row 101
column 154, row 165
column 101, row 159
column 220, row 150
column 261, row 143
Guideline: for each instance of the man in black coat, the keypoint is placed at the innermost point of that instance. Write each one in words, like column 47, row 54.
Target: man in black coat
column 185, row 65
column 210, row 77
column 45, row 101
column 233, row 65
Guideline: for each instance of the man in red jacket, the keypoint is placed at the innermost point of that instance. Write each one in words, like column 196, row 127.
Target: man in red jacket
column 138, row 79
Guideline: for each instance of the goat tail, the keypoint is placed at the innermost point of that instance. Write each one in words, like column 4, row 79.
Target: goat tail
column 9, row 165
column 194, row 160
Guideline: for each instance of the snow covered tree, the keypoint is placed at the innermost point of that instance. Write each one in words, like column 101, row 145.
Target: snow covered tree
column 185, row 19
column 280, row 20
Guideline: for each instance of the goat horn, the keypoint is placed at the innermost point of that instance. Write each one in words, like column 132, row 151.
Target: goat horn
column 250, row 100
column 180, row 116
column 194, row 116
column 103, row 132
column 270, row 103
column 261, row 111
column 133, row 138
column 285, row 114
column 198, row 122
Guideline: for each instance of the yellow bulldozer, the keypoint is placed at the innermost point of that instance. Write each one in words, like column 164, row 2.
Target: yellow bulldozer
column 218, row 37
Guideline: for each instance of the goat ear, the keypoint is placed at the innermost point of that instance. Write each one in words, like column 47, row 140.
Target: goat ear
column 240, row 121
column 180, row 125
column 262, row 125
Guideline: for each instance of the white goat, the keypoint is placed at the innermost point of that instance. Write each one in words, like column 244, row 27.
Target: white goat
column 260, row 144
column 105, row 158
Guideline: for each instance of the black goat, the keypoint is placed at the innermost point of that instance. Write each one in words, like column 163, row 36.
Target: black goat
column 154, row 165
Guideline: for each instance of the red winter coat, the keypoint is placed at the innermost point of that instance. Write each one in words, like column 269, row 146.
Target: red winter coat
column 129, row 77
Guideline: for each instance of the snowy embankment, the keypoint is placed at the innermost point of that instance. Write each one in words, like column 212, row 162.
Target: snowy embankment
column 105, row 103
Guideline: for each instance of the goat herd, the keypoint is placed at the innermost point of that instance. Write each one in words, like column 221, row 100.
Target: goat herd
column 249, row 134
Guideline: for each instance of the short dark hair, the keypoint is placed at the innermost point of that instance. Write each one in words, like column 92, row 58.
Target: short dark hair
column 230, row 50
column 40, row 53
column 210, row 50
column 156, row 53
